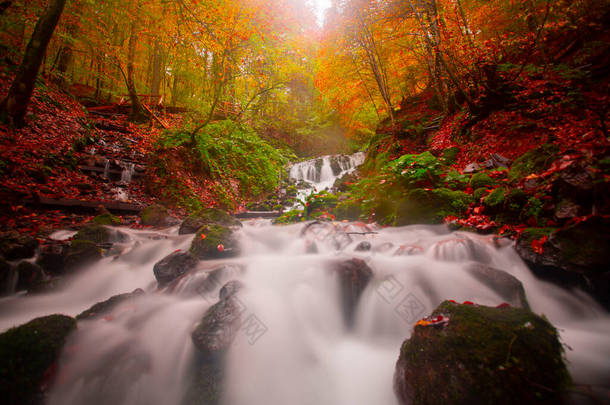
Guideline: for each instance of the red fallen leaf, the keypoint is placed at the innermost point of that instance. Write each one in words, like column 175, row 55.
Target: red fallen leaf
column 453, row 301
column 177, row 250
column 478, row 210
column 108, row 318
column 220, row 247
column 537, row 244
column 504, row 305
column 203, row 236
column 468, row 303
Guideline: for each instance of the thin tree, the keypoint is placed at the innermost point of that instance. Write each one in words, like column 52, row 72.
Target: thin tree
column 14, row 106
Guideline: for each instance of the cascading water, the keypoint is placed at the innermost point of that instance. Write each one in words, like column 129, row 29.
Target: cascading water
column 320, row 174
column 295, row 347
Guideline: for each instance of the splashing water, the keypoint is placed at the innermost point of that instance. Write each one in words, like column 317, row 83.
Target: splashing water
column 296, row 348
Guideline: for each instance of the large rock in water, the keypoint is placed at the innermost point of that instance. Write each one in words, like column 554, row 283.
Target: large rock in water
column 14, row 245
column 507, row 286
column 354, row 275
column 157, row 215
column 173, row 266
column 27, row 355
column 214, row 241
column 104, row 307
column 194, row 222
column 470, row 354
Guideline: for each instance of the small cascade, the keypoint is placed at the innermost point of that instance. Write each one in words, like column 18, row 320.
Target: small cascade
column 106, row 168
column 127, row 173
column 320, row 173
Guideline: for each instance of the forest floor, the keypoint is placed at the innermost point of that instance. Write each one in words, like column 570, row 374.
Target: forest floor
column 67, row 153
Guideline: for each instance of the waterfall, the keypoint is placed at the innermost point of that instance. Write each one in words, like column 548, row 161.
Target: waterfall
column 127, row 173
column 318, row 174
column 295, row 348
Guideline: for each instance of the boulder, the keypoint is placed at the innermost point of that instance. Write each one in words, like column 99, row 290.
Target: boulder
column 217, row 329
column 51, row 256
column 157, row 215
column 14, row 245
column 342, row 183
column 100, row 234
column 103, row 308
column 363, row 246
column 81, row 253
column 230, row 288
column 194, row 222
column 423, row 206
column 507, row 286
column 479, row 180
column 214, row 241
column 173, row 266
column 29, row 274
column 107, row 219
column 354, row 275
column 471, row 354
column 27, row 356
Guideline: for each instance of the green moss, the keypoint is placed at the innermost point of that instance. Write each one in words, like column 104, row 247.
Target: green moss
column 154, row 215
column 479, row 193
column 320, row 202
column 107, row 219
column 290, row 217
column 27, row 352
column 516, row 200
column 496, row 198
column 431, row 206
column 533, row 161
column 484, row 355
column 206, row 247
column 479, row 180
column 94, row 233
column 81, row 252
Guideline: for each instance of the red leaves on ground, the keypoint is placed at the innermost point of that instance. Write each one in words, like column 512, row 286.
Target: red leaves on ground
column 537, row 244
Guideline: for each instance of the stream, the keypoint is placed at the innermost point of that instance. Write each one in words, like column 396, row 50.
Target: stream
column 293, row 347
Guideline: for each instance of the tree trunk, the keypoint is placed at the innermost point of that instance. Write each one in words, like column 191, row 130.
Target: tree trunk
column 157, row 69
column 66, row 52
column 14, row 106
column 137, row 111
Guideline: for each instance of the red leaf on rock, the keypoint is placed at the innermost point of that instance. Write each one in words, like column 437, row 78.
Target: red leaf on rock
column 537, row 244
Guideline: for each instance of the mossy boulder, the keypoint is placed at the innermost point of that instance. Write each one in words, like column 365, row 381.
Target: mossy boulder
column 479, row 193
column 481, row 179
column 99, row 234
column 173, row 266
column 14, row 245
column 423, row 206
column 107, row 219
column 494, row 202
column 193, row 222
column 156, row 215
column 104, row 307
column 481, row 355
column 27, row 354
column 533, row 161
column 81, row 253
column 214, row 241
column 29, row 274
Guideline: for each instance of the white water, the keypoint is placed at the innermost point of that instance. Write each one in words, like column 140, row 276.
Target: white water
column 295, row 349
column 322, row 178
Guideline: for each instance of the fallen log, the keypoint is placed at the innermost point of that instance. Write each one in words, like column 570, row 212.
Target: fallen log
column 66, row 204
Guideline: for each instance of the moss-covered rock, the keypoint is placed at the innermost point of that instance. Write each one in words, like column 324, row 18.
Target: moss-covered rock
column 495, row 200
column 173, row 266
column 156, row 215
column 107, row 219
column 193, row 222
column 104, row 307
column 431, row 206
column 99, row 234
column 533, row 161
column 27, row 352
column 481, row 179
column 481, row 355
column 479, row 193
column 29, row 274
column 214, row 241
column 80, row 253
